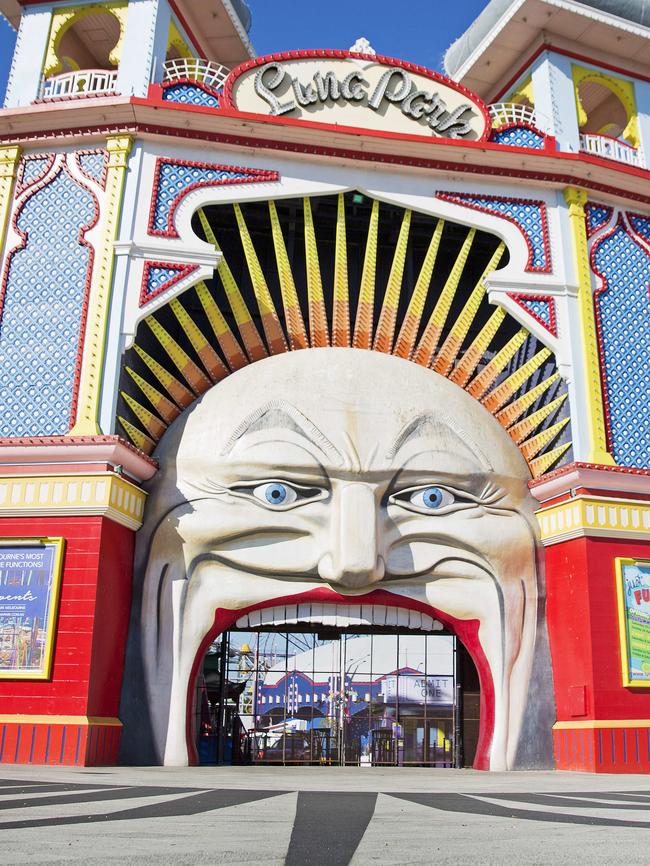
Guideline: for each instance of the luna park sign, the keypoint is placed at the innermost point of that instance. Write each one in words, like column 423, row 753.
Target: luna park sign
column 357, row 90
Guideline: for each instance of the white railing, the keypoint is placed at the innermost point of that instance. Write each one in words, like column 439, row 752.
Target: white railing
column 609, row 148
column 504, row 113
column 193, row 68
column 79, row 83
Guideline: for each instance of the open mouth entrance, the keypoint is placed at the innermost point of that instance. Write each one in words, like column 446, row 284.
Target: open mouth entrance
column 337, row 693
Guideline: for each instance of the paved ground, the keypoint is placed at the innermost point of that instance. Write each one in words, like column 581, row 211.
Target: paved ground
column 332, row 816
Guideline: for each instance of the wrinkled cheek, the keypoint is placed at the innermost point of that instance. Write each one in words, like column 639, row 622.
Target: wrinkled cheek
column 252, row 539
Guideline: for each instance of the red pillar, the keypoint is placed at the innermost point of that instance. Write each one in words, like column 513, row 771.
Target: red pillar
column 590, row 517
column 73, row 717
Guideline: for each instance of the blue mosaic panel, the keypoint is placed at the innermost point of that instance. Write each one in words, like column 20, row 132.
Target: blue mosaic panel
column 174, row 178
column 33, row 169
column 190, row 94
column 518, row 136
column 624, row 314
column 93, row 165
column 529, row 216
column 41, row 319
column 596, row 217
column 158, row 277
column 641, row 225
column 541, row 309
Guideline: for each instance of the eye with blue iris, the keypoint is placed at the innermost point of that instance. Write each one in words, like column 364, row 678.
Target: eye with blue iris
column 275, row 493
column 427, row 500
column 279, row 495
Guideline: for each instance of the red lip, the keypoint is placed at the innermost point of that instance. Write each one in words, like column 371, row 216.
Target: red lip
column 465, row 630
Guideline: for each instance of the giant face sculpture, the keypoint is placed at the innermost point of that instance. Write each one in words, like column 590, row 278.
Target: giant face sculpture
column 330, row 474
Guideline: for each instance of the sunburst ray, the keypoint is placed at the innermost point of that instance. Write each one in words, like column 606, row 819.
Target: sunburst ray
column 195, row 378
column 365, row 307
column 449, row 350
column 428, row 344
column 292, row 312
column 227, row 341
column 318, row 329
column 388, row 316
column 341, row 300
column 270, row 320
column 253, row 343
column 213, row 364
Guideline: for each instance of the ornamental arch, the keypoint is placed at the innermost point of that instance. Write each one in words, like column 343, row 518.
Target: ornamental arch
column 341, row 295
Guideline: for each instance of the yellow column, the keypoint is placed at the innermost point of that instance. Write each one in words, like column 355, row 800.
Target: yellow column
column 9, row 159
column 100, row 290
column 593, row 397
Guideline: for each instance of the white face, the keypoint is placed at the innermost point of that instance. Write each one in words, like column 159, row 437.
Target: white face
column 347, row 471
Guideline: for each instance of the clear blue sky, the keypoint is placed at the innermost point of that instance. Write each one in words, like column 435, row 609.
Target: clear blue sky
column 415, row 30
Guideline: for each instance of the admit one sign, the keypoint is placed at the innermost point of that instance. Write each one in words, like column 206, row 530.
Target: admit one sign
column 357, row 90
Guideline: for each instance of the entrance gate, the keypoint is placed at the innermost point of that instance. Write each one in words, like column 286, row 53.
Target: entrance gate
column 329, row 697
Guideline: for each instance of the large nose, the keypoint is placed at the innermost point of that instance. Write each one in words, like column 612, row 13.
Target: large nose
column 353, row 559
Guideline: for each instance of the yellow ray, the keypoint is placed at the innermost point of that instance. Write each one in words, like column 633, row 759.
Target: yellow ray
column 490, row 372
column 388, row 316
column 196, row 379
column 140, row 440
column 516, row 409
column 292, row 314
column 365, row 309
column 318, row 329
column 452, row 345
column 411, row 324
column 430, row 338
column 151, row 423
column 503, row 392
column 253, row 343
column 524, row 428
column 270, row 320
column 181, row 395
column 464, row 370
column 543, row 463
column 341, row 303
column 215, row 367
column 531, row 447
column 229, row 344
column 167, row 410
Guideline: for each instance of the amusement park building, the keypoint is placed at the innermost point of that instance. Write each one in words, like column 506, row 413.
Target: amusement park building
column 461, row 444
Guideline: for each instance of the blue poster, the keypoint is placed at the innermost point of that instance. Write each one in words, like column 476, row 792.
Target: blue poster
column 29, row 577
column 636, row 595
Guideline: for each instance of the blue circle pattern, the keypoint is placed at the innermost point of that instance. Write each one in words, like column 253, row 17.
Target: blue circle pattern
column 93, row 165
column 519, row 136
column 641, row 226
column 158, row 277
column 39, row 331
column 189, row 94
column 528, row 216
column 174, row 178
column 33, row 169
column 597, row 217
column 541, row 309
column 624, row 308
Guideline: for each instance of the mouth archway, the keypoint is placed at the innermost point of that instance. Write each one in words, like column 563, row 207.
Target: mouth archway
column 369, row 608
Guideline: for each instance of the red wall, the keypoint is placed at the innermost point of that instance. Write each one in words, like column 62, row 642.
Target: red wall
column 90, row 641
column 582, row 615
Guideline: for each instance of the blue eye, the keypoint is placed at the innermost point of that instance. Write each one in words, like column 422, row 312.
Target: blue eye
column 275, row 493
column 431, row 497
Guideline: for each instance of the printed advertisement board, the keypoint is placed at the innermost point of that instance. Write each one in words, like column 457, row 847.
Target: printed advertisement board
column 30, row 575
column 633, row 584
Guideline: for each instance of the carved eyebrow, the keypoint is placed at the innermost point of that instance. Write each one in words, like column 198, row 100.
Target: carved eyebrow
column 280, row 414
column 444, row 427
